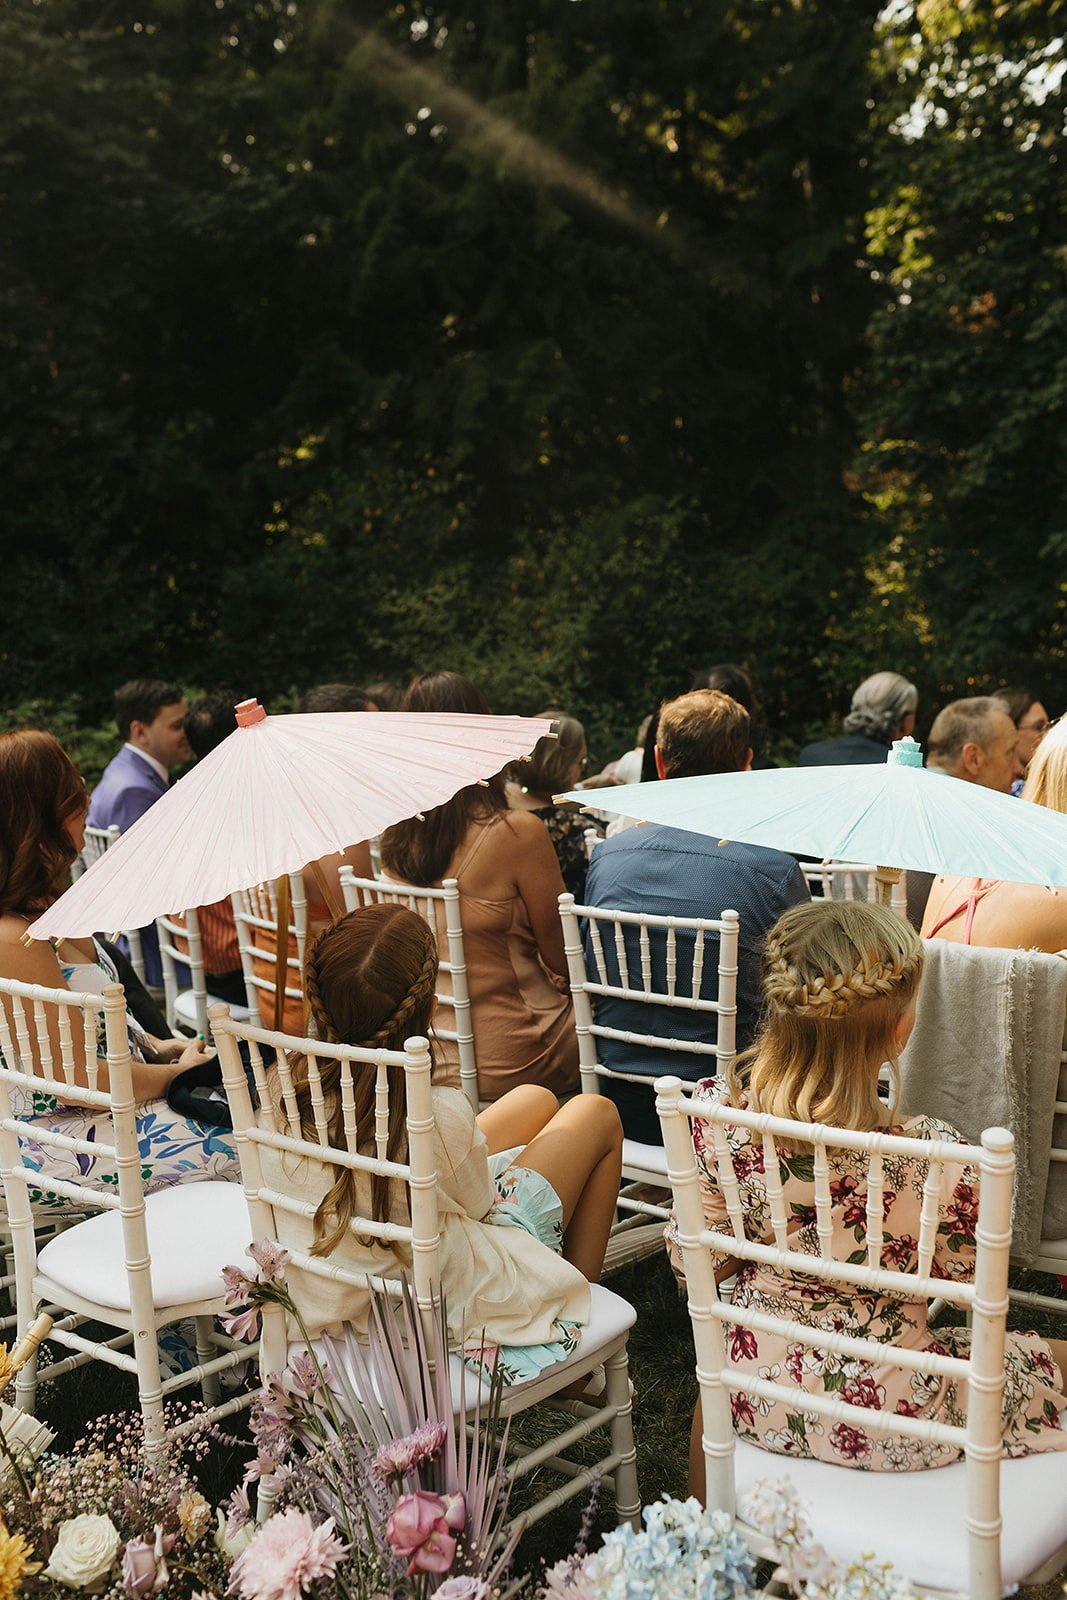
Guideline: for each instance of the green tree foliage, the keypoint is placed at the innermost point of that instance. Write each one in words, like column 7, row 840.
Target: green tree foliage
column 351, row 339
column 964, row 397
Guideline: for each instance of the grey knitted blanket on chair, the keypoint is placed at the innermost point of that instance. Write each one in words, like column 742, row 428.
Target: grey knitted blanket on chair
column 985, row 1052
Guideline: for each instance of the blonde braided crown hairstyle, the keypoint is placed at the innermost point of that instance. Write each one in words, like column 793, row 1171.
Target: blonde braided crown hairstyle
column 369, row 979
column 839, row 977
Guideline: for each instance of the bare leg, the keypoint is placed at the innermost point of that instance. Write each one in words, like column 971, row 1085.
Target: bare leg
column 580, row 1153
column 517, row 1117
column 697, row 1481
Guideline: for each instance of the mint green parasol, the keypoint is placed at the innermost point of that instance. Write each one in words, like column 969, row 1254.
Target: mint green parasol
column 901, row 813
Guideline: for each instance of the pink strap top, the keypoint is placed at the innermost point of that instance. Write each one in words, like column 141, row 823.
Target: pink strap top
column 979, row 889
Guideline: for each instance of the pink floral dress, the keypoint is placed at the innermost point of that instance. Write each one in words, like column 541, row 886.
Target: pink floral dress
column 1033, row 1401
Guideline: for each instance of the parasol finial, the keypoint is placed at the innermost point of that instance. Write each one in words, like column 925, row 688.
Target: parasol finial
column 248, row 712
column 906, row 752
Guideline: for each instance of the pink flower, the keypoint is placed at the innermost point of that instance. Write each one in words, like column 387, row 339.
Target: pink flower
column 401, row 1456
column 1044, row 1363
column 963, row 1212
column 850, row 1442
column 794, row 1362
column 238, row 1285
column 897, row 1252
column 304, row 1375
column 464, row 1588
column 741, row 1406
column 271, row 1260
column 285, row 1557
column 742, row 1344
column 144, row 1567
column 419, row 1529
column 863, row 1392
column 907, row 1408
column 243, row 1324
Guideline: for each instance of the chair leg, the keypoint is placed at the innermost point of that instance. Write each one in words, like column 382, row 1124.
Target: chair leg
column 26, row 1386
column 617, row 1386
column 206, row 1351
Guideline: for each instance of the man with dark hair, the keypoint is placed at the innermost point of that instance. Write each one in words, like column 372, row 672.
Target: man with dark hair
column 663, row 870
column 337, row 697
column 151, row 719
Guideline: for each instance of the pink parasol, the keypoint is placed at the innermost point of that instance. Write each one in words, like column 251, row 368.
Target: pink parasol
column 278, row 793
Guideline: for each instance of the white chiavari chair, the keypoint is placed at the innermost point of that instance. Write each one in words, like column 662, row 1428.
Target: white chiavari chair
column 180, row 946
column 440, row 908
column 974, row 1529
column 273, row 966
column 139, row 1263
column 97, row 840
column 286, row 1215
column 850, row 880
column 661, row 961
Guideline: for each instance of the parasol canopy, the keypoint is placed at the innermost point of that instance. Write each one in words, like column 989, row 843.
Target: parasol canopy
column 901, row 814
column 278, row 793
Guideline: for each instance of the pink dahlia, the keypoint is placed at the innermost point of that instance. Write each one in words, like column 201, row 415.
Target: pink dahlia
column 287, row 1555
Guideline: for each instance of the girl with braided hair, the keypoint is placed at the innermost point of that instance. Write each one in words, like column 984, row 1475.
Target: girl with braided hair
column 526, row 1191
column 841, row 980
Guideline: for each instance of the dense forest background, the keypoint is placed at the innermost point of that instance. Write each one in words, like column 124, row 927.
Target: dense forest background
column 574, row 344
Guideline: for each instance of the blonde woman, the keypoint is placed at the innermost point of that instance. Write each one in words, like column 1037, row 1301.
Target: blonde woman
column 841, row 980
column 1009, row 916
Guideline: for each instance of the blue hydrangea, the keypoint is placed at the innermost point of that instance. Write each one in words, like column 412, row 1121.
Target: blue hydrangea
column 682, row 1553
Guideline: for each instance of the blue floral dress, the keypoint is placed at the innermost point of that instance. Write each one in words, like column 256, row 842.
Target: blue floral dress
column 173, row 1149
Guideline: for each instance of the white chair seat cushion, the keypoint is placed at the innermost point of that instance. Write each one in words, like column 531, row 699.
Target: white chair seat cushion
column 1053, row 1250
column 185, row 1008
column 918, row 1520
column 644, row 1157
column 194, row 1230
column 609, row 1316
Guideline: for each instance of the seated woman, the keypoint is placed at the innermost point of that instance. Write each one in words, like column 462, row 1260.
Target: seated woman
column 526, row 1191
column 556, row 764
column 841, row 979
column 510, row 884
column 1009, row 916
column 42, row 826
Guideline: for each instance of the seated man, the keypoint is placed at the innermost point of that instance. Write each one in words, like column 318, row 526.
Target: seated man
column 151, row 719
column 976, row 740
column 667, row 871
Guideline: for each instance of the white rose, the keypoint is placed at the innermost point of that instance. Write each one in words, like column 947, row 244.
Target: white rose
column 84, row 1552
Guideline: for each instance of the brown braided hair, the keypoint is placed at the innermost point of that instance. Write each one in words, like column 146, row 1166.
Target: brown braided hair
column 839, row 976
column 369, row 979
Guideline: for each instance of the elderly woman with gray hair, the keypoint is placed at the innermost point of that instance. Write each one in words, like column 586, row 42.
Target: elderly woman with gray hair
column 883, row 709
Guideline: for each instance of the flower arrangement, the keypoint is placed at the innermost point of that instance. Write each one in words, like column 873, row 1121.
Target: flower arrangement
column 684, row 1552
column 364, row 1442
column 105, row 1521
column 375, row 1492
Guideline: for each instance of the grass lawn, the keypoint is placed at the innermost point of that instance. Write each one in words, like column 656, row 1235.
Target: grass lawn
column 661, row 1367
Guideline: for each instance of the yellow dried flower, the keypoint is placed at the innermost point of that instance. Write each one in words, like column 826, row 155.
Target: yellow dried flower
column 194, row 1515
column 7, row 1368
column 15, row 1563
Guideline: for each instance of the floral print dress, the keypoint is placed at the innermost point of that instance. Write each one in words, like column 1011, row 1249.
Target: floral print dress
column 1033, row 1397
column 173, row 1148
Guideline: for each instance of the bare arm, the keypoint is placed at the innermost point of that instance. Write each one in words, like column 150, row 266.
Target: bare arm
column 540, row 885
column 36, row 963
